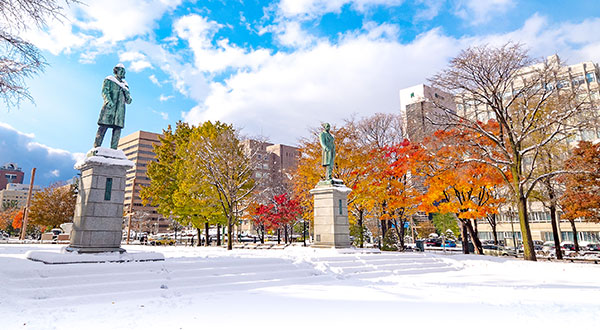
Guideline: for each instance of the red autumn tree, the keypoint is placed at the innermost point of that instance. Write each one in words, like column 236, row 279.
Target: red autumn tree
column 581, row 198
column 281, row 213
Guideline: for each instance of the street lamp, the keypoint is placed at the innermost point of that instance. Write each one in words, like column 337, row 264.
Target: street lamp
column 512, row 226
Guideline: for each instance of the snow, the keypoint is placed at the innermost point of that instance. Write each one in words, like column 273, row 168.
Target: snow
column 122, row 83
column 64, row 257
column 107, row 156
column 296, row 287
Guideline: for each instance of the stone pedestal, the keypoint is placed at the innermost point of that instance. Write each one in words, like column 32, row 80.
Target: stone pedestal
column 331, row 227
column 99, row 210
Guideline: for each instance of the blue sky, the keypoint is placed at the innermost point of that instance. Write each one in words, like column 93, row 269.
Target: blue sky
column 274, row 69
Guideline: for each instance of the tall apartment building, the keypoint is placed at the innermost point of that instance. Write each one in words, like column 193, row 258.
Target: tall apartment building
column 10, row 173
column 138, row 148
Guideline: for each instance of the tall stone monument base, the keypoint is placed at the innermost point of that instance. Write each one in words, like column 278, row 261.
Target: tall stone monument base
column 331, row 227
column 98, row 219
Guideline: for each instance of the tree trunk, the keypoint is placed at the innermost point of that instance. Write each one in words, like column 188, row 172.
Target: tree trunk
column 401, row 235
column 465, row 237
column 494, row 224
column 553, row 219
column 206, row 233
column 383, row 231
column 230, row 234
column 262, row 234
column 528, row 250
column 199, row 236
column 218, row 234
column 575, row 239
column 285, row 234
column 278, row 236
column 476, row 241
column 360, row 228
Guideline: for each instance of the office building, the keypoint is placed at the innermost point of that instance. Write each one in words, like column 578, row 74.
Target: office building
column 138, row 148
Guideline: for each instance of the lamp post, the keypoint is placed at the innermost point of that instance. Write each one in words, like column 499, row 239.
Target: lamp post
column 304, row 232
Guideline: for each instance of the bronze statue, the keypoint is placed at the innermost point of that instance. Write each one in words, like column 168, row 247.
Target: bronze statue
column 115, row 93
column 328, row 154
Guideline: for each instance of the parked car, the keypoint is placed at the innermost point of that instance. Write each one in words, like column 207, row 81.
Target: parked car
column 548, row 249
column 449, row 243
column 161, row 240
column 433, row 242
column 497, row 250
column 593, row 247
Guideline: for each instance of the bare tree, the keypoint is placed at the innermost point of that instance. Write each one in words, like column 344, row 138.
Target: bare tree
column 224, row 163
column 379, row 130
column 19, row 58
column 532, row 102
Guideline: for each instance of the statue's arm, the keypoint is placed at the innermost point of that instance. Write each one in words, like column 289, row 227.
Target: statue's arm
column 106, row 93
column 127, row 96
column 323, row 142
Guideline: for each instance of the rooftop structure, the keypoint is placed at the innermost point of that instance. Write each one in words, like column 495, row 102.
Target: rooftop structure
column 10, row 173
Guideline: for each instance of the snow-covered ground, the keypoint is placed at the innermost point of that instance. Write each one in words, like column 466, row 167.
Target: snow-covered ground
column 211, row 288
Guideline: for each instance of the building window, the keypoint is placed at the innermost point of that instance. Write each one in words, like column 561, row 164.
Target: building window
column 589, row 77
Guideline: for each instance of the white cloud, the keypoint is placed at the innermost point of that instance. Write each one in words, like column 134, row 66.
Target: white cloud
column 307, row 9
column 137, row 60
column 55, row 173
column 154, row 80
column 431, row 10
column 291, row 34
column 163, row 115
column 218, row 56
column 99, row 25
column 164, row 98
column 325, row 83
column 480, row 11
column 362, row 75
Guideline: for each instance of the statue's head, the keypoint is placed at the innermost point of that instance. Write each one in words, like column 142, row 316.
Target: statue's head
column 326, row 126
column 119, row 71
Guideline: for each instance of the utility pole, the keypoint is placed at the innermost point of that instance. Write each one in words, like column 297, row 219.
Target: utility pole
column 130, row 210
column 26, row 212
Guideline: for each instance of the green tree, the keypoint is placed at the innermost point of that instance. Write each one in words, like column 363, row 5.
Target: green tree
column 444, row 222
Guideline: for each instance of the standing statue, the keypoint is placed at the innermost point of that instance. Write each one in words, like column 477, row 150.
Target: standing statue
column 328, row 154
column 115, row 93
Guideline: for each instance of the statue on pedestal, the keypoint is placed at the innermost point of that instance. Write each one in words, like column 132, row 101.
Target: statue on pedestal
column 115, row 93
column 328, row 153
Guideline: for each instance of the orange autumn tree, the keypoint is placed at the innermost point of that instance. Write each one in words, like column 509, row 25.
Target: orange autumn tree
column 392, row 191
column 457, row 185
column 18, row 220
